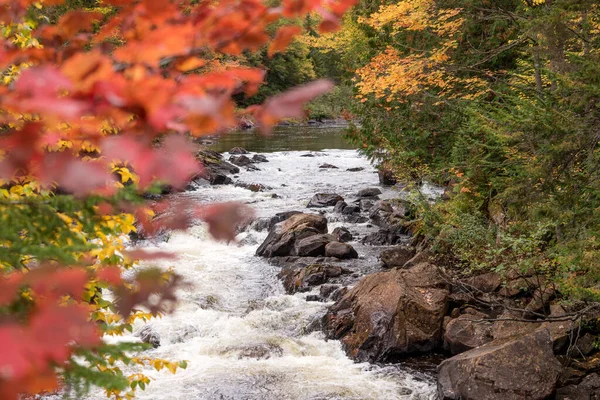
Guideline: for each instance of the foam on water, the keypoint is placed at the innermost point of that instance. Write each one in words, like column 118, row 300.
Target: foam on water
column 243, row 337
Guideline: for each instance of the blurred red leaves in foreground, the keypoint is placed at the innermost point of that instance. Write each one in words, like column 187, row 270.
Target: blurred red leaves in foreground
column 127, row 86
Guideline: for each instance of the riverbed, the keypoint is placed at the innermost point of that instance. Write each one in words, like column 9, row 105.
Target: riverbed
column 244, row 338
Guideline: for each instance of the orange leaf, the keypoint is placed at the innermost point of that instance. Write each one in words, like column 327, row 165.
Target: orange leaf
column 283, row 38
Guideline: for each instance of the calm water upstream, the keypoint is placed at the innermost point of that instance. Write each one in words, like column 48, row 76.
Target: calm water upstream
column 243, row 336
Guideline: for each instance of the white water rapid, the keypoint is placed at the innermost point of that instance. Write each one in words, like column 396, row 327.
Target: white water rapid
column 244, row 338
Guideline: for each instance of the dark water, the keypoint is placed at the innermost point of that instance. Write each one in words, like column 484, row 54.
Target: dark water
column 285, row 138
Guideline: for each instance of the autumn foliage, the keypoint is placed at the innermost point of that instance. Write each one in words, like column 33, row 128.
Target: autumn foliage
column 99, row 104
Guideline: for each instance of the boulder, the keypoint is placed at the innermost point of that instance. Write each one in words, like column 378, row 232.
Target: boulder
column 313, row 245
column 342, row 234
column 390, row 314
column 321, row 200
column 369, row 192
column 301, row 279
column 388, row 216
column 382, row 238
column 241, row 161
column 485, row 283
column 366, row 204
column 216, row 168
column 327, row 166
column 349, row 210
column 463, row 334
column 339, row 250
column 258, row 158
column 339, row 207
column 283, row 236
column 149, row 335
column 515, row 368
column 585, row 345
column 219, row 179
column 238, row 150
column 355, row 169
column 588, row 389
column 397, row 256
column 253, row 187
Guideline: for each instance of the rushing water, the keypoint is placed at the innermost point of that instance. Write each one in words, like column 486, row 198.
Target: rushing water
column 243, row 336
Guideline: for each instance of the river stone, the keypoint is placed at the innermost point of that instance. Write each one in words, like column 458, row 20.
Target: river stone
column 241, row 161
column 390, row 314
column 259, row 158
column 588, row 389
column 327, row 166
column 342, row 234
column 301, row 279
column 219, row 179
column 516, row 368
column 238, row 150
column 382, row 238
column 369, row 192
column 355, row 169
column 320, row 200
column 312, row 246
column 148, row 335
column 283, row 236
column 462, row 334
column 340, row 250
column 397, row 256
column 339, row 207
column 349, row 210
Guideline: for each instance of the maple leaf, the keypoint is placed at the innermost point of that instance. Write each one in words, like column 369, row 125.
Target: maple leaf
column 223, row 219
column 290, row 104
column 283, row 38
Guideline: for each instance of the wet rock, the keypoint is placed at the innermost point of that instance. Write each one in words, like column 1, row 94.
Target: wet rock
column 515, row 368
column 321, row 200
column 366, row 204
column 260, row 351
column 588, row 389
column 342, row 234
column 282, row 216
column 307, row 155
column 259, row 158
column 339, row 250
column 313, row 245
column 241, row 161
column 386, row 177
column 349, row 210
column 369, row 192
column 327, row 290
column 339, row 206
column 219, row 179
column 148, row 335
column 389, row 216
column 328, row 166
column 253, row 187
column 339, row 293
column 283, row 236
column 355, row 169
column 397, row 256
column 382, row 238
column 302, row 279
column 462, row 334
column 238, row 150
column 356, row 219
column 312, row 297
column 391, row 313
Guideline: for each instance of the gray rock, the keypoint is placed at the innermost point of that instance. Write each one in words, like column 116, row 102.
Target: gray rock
column 328, row 166
column 283, row 236
column 238, row 150
column 148, row 335
column 259, row 158
column 342, row 234
column 339, row 207
column 369, row 192
column 355, row 169
column 321, row 200
column 349, row 210
column 241, row 161
column 514, row 368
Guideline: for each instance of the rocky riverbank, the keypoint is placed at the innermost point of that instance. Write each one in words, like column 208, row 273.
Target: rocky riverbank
column 389, row 300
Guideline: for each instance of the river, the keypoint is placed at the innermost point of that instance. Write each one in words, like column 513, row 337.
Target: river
column 244, row 338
